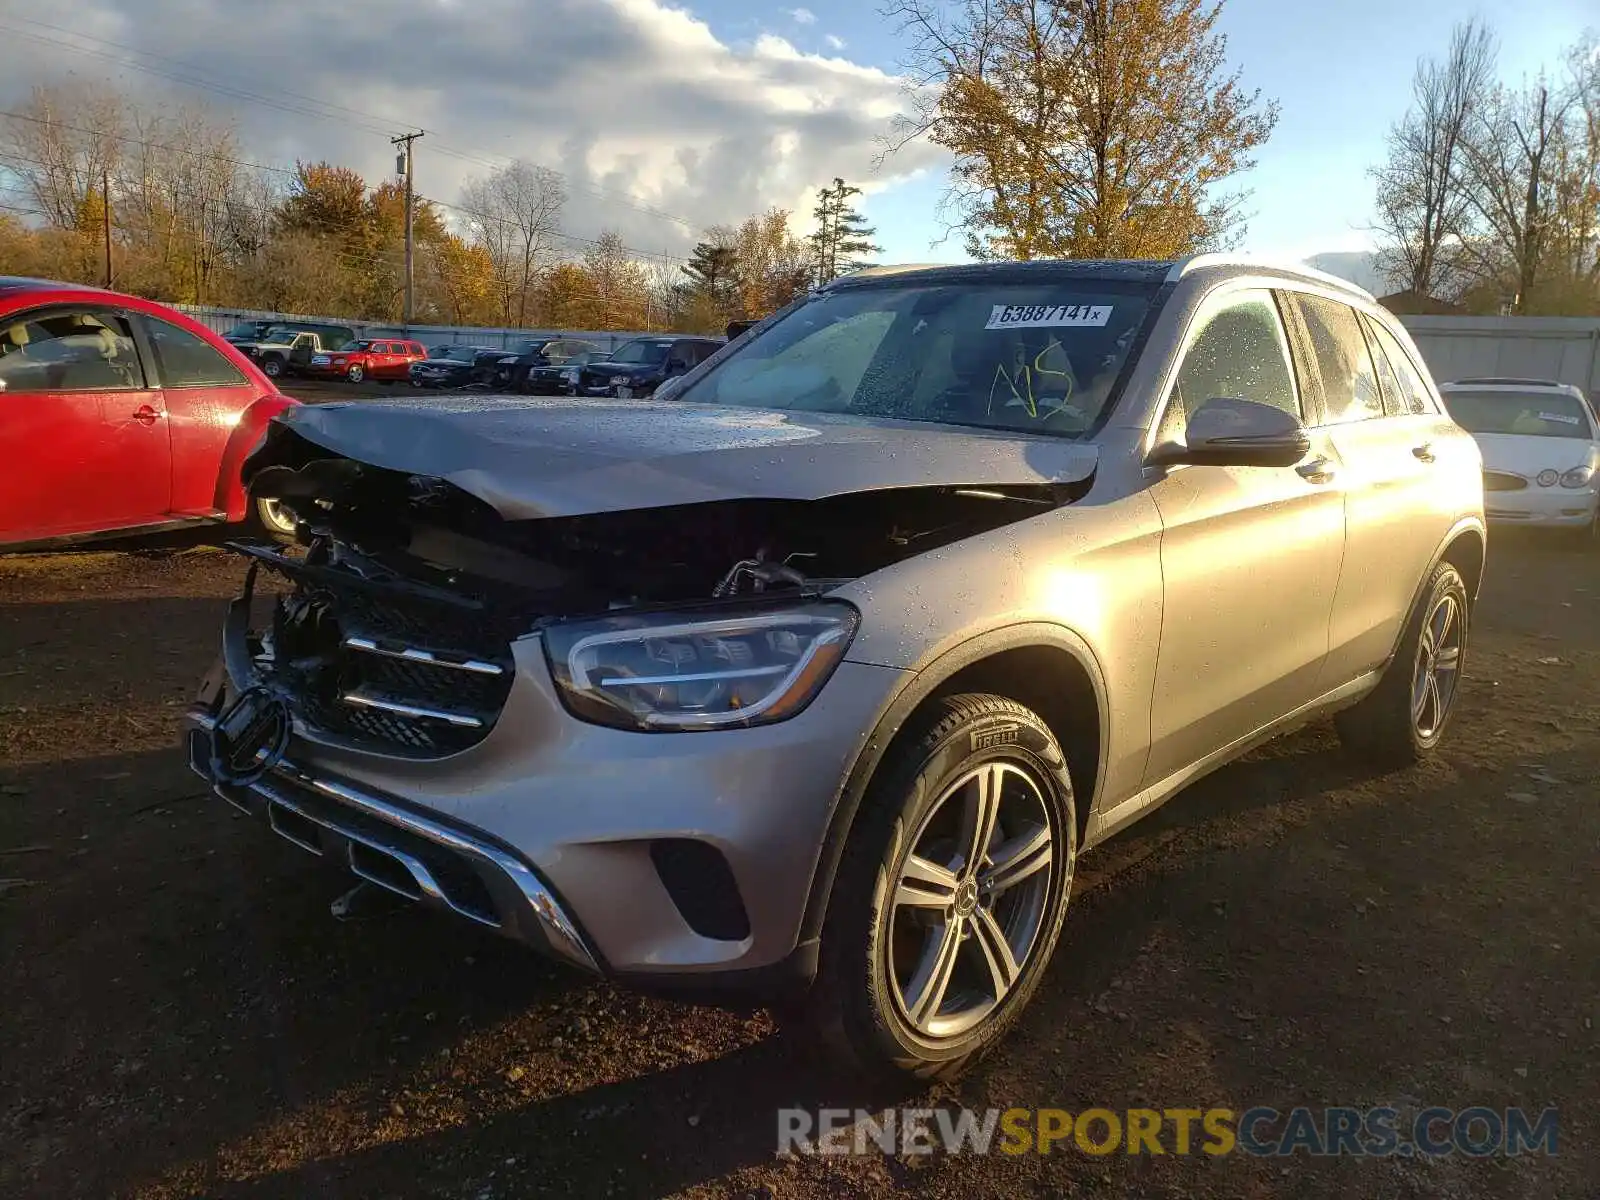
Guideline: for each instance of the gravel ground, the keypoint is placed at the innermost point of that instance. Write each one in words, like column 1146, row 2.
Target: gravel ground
column 182, row 1016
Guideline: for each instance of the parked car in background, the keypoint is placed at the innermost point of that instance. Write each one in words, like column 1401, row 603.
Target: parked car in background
column 289, row 349
column 453, row 366
column 817, row 682
column 383, row 360
column 561, row 380
column 513, row 369
column 120, row 415
column 1541, row 450
column 247, row 331
column 638, row 367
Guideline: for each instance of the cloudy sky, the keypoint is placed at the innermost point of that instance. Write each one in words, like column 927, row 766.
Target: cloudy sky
column 666, row 117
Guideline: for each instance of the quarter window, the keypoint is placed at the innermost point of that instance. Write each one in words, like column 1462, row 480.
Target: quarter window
column 1239, row 352
column 66, row 351
column 1350, row 389
column 189, row 361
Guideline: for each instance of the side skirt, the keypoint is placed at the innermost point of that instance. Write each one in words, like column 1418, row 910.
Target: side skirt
column 1151, row 798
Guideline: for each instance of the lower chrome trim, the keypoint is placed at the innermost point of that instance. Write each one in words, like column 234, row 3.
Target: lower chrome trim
column 560, row 931
column 364, row 700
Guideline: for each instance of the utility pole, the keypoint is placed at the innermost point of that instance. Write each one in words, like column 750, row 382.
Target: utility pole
column 105, row 209
column 404, row 163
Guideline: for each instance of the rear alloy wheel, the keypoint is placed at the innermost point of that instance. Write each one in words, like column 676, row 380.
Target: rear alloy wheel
column 950, row 896
column 356, row 373
column 1404, row 718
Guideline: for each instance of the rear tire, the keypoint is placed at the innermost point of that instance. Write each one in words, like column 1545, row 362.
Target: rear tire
column 937, row 933
column 269, row 519
column 1405, row 717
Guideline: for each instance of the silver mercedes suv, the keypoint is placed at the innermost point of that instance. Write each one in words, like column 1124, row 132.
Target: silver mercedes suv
column 811, row 677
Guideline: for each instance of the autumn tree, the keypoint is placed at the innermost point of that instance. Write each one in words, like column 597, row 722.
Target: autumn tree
column 515, row 215
column 842, row 238
column 1082, row 128
column 771, row 265
column 1424, row 202
column 62, row 145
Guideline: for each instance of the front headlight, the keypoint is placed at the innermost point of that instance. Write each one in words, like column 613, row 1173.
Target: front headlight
column 1577, row 477
column 698, row 670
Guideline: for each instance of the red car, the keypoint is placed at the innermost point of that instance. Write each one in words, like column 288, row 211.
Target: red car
column 381, row 360
column 120, row 415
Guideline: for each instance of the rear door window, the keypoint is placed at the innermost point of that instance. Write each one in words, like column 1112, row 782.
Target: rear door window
column 1411, row 393
column 1349, row 377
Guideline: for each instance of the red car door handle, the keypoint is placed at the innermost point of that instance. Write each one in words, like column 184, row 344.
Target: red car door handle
column 146, row 415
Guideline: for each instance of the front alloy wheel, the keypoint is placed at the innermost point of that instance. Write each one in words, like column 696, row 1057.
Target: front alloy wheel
column 356, row 373
column 970, row 900
column 949, row 897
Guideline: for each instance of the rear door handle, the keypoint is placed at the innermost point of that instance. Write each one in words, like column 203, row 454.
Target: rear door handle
column 1424, row 451
column 146, row 415
column 1318, row 470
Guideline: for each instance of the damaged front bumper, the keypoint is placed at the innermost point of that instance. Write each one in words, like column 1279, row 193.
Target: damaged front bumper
column 653, row 857
column 399, row 850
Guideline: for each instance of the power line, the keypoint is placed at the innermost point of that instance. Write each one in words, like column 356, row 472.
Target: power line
column 382, row 124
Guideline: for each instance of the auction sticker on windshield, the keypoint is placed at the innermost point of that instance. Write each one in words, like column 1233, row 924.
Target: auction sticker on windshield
column 1047, row 316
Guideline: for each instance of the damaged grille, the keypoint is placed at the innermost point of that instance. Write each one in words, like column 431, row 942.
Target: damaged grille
column 375, row 668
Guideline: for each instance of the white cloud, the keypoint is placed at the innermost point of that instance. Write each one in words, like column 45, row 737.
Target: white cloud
column 802, row 16
column 637, row 102
column 834, row 41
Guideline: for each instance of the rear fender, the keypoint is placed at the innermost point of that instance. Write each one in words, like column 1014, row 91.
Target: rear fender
column 231, row 494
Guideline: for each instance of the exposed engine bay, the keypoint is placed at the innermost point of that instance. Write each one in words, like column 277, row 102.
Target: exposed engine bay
column 430, row 531
column 409, row 592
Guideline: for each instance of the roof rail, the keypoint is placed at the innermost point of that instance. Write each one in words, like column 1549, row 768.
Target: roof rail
column 1195, row 262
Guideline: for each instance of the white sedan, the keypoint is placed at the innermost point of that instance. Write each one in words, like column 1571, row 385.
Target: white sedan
column 1541, row 449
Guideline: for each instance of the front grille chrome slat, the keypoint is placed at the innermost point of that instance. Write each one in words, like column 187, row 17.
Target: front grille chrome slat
column 367, row 700
column 428, row 657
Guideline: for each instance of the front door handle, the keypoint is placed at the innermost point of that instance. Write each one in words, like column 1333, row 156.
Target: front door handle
column 1424, row 452
column 146, row 415
column 1318, row 470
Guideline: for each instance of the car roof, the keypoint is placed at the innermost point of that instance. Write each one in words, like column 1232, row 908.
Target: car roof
column 1121, row 270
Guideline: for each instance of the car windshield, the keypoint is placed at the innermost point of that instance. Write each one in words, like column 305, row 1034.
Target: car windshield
column 354, row 346
column 641, row 352
column 521, row 348
column 442, row 352
column 245, row 329
column 1536, row 414
column 279, row 333
column 1039, row 357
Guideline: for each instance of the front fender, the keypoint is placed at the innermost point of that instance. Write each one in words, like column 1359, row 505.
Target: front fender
column 231, row 495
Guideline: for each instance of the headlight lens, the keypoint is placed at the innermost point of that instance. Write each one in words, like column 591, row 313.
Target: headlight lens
column 1577, row 477
column 698, row 670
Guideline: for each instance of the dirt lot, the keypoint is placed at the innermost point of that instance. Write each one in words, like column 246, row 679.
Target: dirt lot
column 182, row 1017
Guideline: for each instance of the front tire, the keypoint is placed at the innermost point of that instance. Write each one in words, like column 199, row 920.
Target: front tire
column 950, row 896
column 272, row 367
column 1405, row 717
column 356, row 373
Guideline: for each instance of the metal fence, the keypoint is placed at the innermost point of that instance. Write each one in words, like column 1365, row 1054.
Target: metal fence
column 1566, row 349
column 223, row 319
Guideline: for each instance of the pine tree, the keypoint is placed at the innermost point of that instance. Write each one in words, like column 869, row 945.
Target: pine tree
column 843, row 236
column 713, row 272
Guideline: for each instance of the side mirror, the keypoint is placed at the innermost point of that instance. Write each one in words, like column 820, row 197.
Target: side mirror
column 1227, row 431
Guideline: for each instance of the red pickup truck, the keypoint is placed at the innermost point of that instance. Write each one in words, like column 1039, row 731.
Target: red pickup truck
column 383, row 360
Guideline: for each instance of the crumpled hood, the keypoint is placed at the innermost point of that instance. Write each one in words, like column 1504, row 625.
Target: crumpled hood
column 527, row 458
